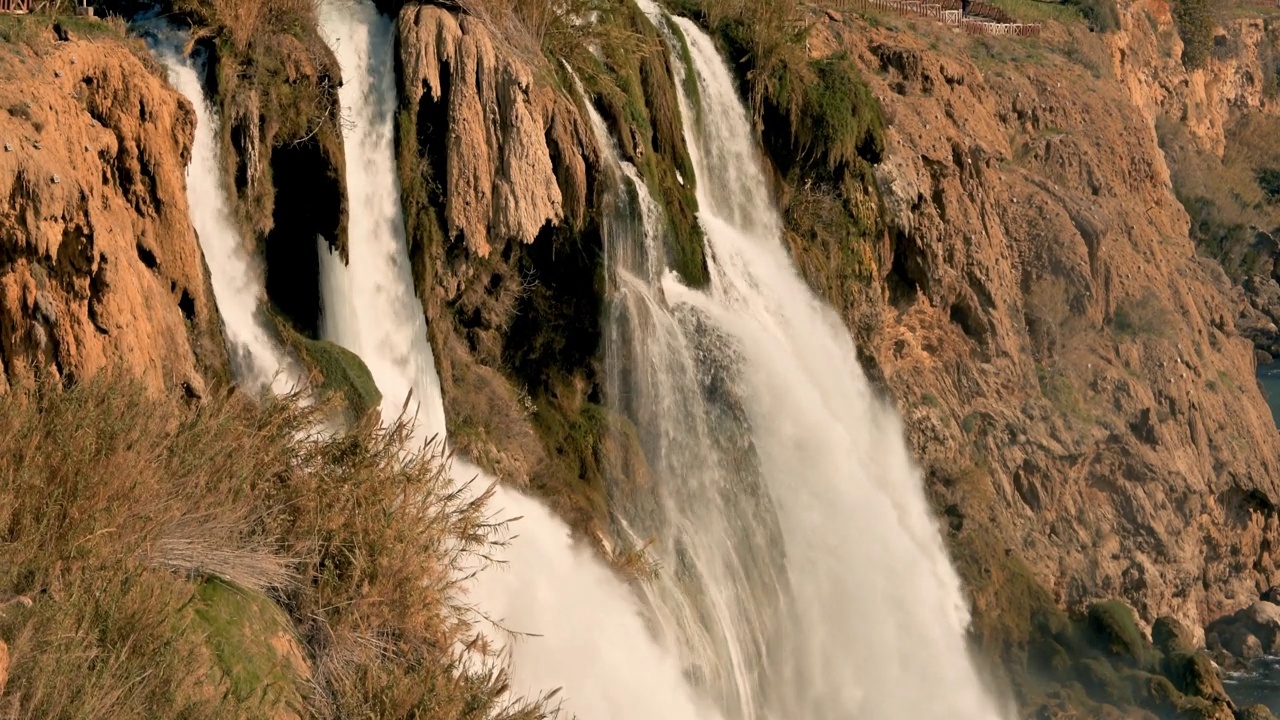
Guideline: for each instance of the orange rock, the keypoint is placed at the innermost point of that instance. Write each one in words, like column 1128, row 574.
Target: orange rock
column 102, row 267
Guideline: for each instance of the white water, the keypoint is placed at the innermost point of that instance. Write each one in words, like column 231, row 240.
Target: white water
column 368, row 305
column 591, row 640
column 867, row 618
column 256, row 358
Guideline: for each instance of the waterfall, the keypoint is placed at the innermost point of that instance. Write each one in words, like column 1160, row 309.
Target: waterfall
column 368, row 305
column 256, row 358
column 584, row 631
column 857, row 611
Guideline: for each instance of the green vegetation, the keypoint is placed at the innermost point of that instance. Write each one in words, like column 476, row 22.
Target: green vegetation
column 1195, row 22
column 823, row 130
column 631, row 86
column 1229, row 198
column 1269, row 181
column 250, row 636
column 174, row 557
column 336, row 372
column 1101, row 14
column 37, row 31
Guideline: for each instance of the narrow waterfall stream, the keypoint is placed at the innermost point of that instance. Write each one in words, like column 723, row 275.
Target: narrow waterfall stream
column 256, row 358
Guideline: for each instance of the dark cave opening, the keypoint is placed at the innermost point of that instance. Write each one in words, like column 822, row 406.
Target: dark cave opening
column 308, row 205
column 433, row 136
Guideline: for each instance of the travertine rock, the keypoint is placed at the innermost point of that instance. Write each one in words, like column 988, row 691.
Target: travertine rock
column 102, row 268
column 1043, row 320
column 514, row 158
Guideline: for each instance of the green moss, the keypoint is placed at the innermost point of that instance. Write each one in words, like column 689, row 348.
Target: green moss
column 1113, row 628
column 638, row 101
column 341, row 373
column 245, row 631
column 834, row 118
column 572, row 479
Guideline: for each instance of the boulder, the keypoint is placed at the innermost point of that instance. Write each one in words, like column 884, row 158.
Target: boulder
column 1171, row 636
column 1195, row 674
column 1235, row 641
column 1255, row 712
column 1250, row 632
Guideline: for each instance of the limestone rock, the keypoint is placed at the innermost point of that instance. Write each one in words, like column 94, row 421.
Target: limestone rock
column 1195, row 674
column 101, row 270
column 1255, row 712
column 1078, row 319
column 505, row 128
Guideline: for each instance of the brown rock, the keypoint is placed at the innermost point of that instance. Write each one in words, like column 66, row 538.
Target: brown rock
column 1255, row 712
column 501, row 181
column 101, row 269
column 1038, row 279
column 1170, row 635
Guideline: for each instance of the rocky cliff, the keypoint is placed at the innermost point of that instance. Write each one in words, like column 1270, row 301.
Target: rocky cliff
column 1003, row 223
column 99, row 264
column 1040, row 276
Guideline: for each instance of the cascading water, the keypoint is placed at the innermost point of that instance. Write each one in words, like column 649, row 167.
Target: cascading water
column 588, row 637
column 257, row 359
column 865, row 617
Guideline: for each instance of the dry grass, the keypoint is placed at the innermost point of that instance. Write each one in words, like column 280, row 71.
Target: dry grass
column 246, row 22
column 117, row 508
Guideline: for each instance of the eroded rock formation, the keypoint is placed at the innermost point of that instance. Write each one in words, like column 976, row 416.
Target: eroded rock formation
column 513, row 155
column 99, row 264
column 1043, row 320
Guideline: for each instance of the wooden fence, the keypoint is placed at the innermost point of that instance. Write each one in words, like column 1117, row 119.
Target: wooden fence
column 15, row 7
column 983, row 19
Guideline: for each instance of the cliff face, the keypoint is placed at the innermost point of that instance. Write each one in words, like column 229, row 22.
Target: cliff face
column 494, row 160
column 99, row 264
column 1043, row 319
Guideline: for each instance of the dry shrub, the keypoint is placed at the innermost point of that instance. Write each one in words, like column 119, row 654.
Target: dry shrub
column 105, row 492
column 246, row 22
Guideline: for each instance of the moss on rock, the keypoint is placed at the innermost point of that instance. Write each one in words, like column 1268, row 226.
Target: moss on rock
column 252, row 639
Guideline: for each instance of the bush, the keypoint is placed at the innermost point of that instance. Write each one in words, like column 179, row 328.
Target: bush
column 1194, row 19
column 1101, row 14
column 1269, row 181
column 138, row 527
column 1143, row 316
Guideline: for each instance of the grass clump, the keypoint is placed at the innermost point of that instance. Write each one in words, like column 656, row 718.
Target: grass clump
column 176, row 556
column 1142, row 316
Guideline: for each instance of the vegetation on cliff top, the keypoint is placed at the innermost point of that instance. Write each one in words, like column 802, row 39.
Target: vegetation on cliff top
column 228, row 561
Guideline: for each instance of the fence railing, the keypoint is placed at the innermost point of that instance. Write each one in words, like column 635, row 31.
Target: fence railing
column 15, row 7
column 983, row 19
